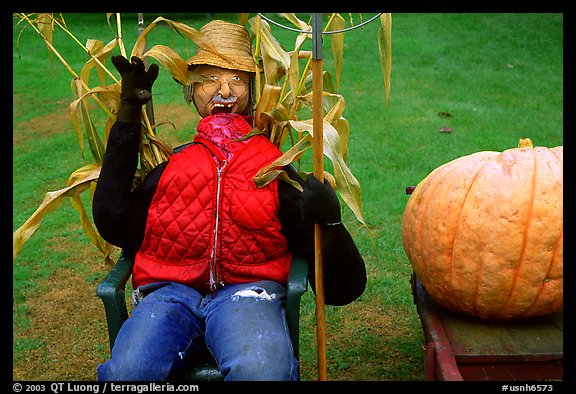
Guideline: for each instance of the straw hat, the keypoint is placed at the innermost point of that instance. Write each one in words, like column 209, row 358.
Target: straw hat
column 233, row 45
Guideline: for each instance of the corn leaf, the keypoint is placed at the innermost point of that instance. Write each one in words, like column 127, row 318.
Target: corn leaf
column 300, row 24
column 268, row 100
column 271, row 69
column 101, row 52
column 164, row 150
column 93, row 46
column 182, row 29
column 270, row 45
column 337, row 45
column 385, row 48
column 109, row 123
column 268, row 64
column 255, row 28
column 108, row 16
column 273, row 48
column 265, row 177
column 243, row 18
column 74, row 112
column 46, row 27
column 173, row 62
column 104, row 247
column 347, row 184
column 291, row 17
column 110, row 96
column 284, row 177
column 294, row 74
column 51, row 201
column 94, row 141
column 271, row 171
column 329, row 100
column 343, row 127
column 337, row 108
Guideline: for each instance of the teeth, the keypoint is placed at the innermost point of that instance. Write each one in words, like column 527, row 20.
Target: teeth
column 223, row 105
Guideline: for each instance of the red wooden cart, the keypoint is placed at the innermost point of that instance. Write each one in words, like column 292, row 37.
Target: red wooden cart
column 463, row 347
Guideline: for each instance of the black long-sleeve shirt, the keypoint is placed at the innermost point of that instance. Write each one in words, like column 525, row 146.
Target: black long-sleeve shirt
column 120, row 213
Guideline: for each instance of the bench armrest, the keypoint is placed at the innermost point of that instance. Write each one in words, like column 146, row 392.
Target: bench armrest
column 297, row 285
column 111, row 292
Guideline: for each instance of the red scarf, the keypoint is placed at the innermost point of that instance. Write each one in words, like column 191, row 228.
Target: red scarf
column 223, row 130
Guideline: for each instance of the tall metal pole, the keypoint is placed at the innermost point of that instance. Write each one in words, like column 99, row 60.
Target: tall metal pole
column 317, row 144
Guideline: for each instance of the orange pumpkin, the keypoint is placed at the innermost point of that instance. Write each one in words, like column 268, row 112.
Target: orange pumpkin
column 484, row 233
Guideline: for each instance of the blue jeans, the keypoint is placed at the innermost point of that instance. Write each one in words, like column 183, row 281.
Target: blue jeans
column 242, row 325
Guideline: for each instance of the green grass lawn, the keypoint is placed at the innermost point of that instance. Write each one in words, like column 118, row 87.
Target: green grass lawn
column 498, row 76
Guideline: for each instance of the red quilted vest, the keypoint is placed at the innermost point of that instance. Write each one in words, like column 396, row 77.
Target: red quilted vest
column 208, row 226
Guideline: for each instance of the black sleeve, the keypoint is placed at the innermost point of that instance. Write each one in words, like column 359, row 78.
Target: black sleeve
column 344, row 268
column 120, row 211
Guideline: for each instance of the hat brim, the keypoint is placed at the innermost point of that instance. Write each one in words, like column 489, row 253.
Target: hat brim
column 212, row 59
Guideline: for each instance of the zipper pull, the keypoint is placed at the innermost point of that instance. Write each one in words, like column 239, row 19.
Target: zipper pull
column 221, row 168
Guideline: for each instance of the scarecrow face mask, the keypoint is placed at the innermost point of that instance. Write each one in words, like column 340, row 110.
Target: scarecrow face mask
column 221, row 91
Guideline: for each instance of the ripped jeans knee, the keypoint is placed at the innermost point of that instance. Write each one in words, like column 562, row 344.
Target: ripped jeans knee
column 247, row 332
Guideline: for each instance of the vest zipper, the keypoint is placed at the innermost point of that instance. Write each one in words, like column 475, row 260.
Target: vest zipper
column 215, row 281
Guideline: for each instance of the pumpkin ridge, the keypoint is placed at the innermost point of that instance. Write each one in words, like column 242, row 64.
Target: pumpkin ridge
column 537, row 297
column 456, row 230
column 526, row 230
column 434, row 182
column 555, row 248
column 422, row 208
column 420, row 218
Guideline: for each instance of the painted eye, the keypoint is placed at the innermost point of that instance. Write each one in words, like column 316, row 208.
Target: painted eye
column 210, row 84
column 238, row 82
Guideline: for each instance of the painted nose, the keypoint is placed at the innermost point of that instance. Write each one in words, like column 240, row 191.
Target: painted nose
column 224, row 89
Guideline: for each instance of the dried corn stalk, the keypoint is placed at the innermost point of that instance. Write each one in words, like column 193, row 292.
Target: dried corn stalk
column 283, row 91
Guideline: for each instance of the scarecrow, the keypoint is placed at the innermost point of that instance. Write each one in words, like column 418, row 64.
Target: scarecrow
column 211, row 250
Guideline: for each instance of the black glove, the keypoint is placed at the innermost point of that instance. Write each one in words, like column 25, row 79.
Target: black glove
column 136, row 87
column 319, row 203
